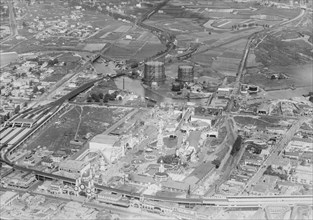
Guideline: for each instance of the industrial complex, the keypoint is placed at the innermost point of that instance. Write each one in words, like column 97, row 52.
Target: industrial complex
column 165, row 109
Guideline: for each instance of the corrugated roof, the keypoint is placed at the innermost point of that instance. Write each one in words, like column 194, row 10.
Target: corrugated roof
column 72, row 164
column 142, row 178
column 176, row 185
column 104, row 139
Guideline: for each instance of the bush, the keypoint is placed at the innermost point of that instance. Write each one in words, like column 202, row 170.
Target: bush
column 89, row 99
column 271, row 172
column 101, row 95
column 217, row 163
column 95, row 97
column 169, row 159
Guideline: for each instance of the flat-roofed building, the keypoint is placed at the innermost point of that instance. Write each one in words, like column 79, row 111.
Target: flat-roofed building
column 300, row 144
column 6, row 198
column 303, row 175
column 175, row 186
column 223, row 92
column 141, row 179
column 105, row 196
column 263, row 109
column 74, row 166
column 110, row 146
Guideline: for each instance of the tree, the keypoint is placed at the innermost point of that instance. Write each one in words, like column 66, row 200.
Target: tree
column 35, row 89
column 17, row 109
column 112, row 96
column 236, row 146
column 95, row 97
column 89, row 99
column 52, row 62
column 31, row 96
column 217, row 163
column 106, row 98
column 24, row 24
column 100, row 95
column 42, row 90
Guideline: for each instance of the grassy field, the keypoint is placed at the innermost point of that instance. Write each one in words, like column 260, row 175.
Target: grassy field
column 62, row 130
column 273, row 51
column 299, row 76
column 262, row 122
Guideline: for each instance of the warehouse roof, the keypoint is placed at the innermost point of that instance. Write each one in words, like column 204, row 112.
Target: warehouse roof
column 72, row 165
column 104, row 139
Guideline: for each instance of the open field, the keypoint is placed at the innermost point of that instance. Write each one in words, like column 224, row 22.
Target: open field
column 62, row 130
column 94, row 47
column 285, row 13
column 262, row 122
column 299, row 76
column 7, row 58
column 149, row 46
column 288, row 93
column 273, row 51
column 177, row 25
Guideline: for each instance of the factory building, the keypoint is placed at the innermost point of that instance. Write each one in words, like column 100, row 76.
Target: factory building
column 74, row 166
column 185, row 73
column 108, row 145
column 154, row 71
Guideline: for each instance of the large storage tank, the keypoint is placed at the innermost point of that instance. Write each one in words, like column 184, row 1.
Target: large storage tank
column 185, row 73
column 154, row 71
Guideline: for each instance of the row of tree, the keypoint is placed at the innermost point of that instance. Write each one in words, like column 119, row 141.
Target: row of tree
column 236, row 146
column 169, row 159
column 237, row 26
column 97, row 97
column 270, row 171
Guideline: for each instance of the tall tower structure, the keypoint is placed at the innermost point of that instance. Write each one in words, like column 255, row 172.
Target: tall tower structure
column 154, row 71
column 161, row 167
column 185, row 73
column 160, row 142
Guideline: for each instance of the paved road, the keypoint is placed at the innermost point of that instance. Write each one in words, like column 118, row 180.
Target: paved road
column 126, row 212
column 13, row 25
column 276, row 152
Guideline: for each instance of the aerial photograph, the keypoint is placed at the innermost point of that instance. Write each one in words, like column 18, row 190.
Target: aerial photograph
column 156, row 109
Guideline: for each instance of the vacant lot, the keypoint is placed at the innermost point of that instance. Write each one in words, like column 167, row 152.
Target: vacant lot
column 77, row 122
